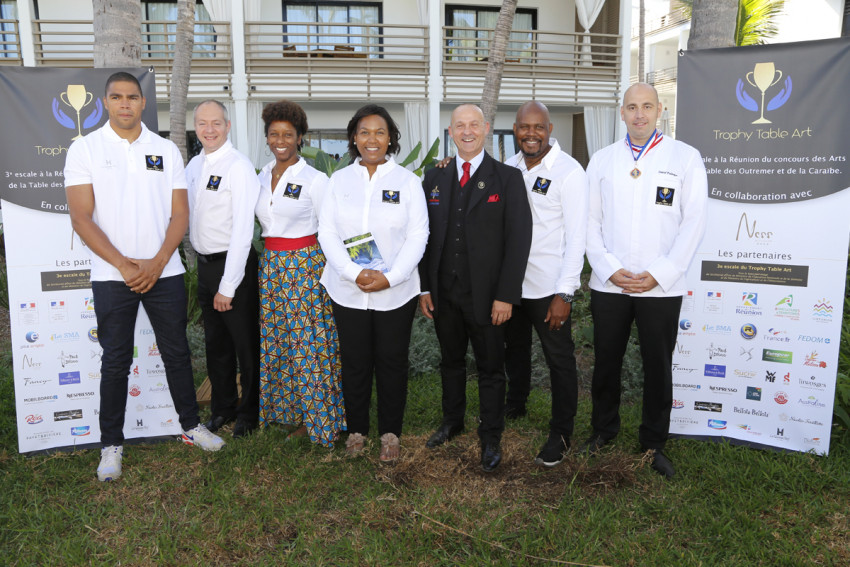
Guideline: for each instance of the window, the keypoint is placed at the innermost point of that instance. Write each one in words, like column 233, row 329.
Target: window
column 335, row 26
column 332, row 142
column 8, row 43
column 474, row 44
column 158, row 38
column 504, row 145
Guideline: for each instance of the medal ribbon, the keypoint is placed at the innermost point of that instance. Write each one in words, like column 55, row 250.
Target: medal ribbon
column 653, row 141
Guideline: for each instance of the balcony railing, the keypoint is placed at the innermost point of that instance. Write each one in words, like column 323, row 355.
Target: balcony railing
column 560, row 67
column 660, row 78
column 60, row 43
column 337, row 61
column 665, row 22
column 10, row 43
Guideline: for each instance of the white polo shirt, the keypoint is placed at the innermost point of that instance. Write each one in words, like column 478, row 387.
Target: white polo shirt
column 355, row 205
column 291, row 208
column 557, row 193
column 223, row 191
column 653, row 223
column 133, row 185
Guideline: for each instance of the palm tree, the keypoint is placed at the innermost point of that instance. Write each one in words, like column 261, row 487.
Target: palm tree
column 496, row 65
column 755, row 20
column 180, row 71
column 712, row 23
column 117, row 33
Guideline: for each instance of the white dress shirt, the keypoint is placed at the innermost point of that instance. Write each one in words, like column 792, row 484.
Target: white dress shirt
column 631, row 226
column 474, row 164
column 291, row 208
column 223, row 191
column 133, row 186
column 559, row 222
column 356, row 204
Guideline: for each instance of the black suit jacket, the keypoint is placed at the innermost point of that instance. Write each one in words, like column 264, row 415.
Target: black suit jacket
column 497, row 231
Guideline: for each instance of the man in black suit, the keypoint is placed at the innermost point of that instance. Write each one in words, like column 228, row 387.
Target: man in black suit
column 472, row 273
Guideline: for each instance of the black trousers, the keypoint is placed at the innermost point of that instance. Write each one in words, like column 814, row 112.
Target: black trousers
column 559, row 352
column 456, row 327
column 374, row 343
column 656, row 319
column 230, row 336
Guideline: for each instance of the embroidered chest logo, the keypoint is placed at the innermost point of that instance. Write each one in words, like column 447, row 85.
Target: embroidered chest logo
column 153, row 163
column 214, row 183
column 434, row 196
column 292, row 191
column 390, row 196
column 541, row 186
column 664, row 196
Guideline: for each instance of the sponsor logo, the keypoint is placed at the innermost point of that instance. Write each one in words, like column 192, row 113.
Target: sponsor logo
column 708, row 406
column 715, row 370
column 752, row 412
column 42, row 436
column 785, row 308
column 746, row 354
column 811, row 401
column 812, row 359
column 29, row 362
column 135, row 391
column 135, row 351
column 682, row 350
column 80, row 431
column 722, row 390
column 67, row 414
column 811, row 384
column 35, row 381
column 94, row 375
column 158, row 370
column 717, row 329
column 748, row 429
column 754, row 393
column 41, row 399
column 764, row 77
column 688, row 301
column 76, row 97
column 80, row 395
column 687, row 386
column 158, row 406
column 168, row 423
column 780, row 434
column 713, row 302
column 769, row 376
column 715, row 351
column 781, row 356
column 748, row 331
column 822, row 311
column 745, row 373
column 153, row 350
column 776, row 335
column 749, row 304
column 33, row 419
column 66, row 337
column 31, row 337
column 684, row 420
column 95, row 355
column 787, row 378
column 66, row 359
column 780, row 398
column 683, row 369
column 811, row 339
column 160, row 387
column 806, row 421
column 751, row 232
column 685, row 328
column 811, row 441
column 92, row 334
column 135, row 370
column 66, row 378
column 88, row 309
column 140, row 425
column 144, row 332
column 716, row 424
column 678, row 404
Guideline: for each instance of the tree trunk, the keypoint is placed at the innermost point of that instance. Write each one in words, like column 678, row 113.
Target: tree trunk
column 641, row 42
column 180, row 73
column 496, row 65
column 713, row 24
column 117, row 33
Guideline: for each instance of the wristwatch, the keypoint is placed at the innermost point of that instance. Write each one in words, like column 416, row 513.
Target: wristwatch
column 567, row 297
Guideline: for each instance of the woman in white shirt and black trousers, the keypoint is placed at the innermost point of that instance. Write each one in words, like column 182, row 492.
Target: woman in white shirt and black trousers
column 373, row 228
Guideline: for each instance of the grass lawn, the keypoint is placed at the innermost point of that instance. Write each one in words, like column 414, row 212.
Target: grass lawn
column 264, row 501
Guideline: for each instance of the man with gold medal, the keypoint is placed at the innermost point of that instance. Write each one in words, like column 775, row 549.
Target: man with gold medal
column 647, row 215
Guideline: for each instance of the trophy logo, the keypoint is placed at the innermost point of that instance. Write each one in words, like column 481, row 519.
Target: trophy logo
column 763, row 77
column 76, row 97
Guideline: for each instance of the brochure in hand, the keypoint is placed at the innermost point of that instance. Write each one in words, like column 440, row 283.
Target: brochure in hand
column 363, row 250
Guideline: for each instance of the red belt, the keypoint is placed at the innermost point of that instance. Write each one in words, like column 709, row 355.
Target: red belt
column 283, row 244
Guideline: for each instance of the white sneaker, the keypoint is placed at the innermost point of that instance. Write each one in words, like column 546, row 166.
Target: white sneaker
column 110, row 463
column 201, row 436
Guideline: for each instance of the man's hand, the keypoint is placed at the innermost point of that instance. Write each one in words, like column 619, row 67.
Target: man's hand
column 559, row 311
column 633, row 283
column 426, row 305
column 377, row 281
column 222, row 302
column 501, row 312
column 147, row 275
column 443, row 162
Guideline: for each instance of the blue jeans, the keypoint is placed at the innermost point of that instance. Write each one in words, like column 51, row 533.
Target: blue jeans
column 116, row 306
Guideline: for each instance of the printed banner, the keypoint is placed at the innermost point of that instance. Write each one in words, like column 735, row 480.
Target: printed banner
column 56, row 354
column 760, row 328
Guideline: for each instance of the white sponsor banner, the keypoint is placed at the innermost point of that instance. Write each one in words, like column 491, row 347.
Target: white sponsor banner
column 759, row 335
column 56, row 354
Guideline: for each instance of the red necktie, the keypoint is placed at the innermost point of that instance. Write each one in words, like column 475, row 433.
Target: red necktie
column 465, row 177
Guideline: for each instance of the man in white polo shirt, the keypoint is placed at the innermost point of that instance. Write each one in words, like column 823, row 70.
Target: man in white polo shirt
column 126, row 191
column 223, row 191
column 557, row 192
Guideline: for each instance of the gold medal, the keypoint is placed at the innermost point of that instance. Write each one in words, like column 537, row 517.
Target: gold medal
column 635, row 173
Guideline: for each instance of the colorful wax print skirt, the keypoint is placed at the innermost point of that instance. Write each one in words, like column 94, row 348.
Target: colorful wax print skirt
column 299, row 348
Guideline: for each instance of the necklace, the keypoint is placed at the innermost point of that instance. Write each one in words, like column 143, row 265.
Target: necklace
column 653, row 140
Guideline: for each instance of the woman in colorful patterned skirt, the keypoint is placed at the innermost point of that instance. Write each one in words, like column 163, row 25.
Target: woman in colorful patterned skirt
column 299, row 358
column 373, row 227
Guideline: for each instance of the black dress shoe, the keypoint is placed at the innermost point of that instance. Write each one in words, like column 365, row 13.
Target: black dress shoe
column 243, row 428
column 593, row 444
column 491, row 456
column 515, row 412
column 443, row 434
column 216, row 422
column 662, row 465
